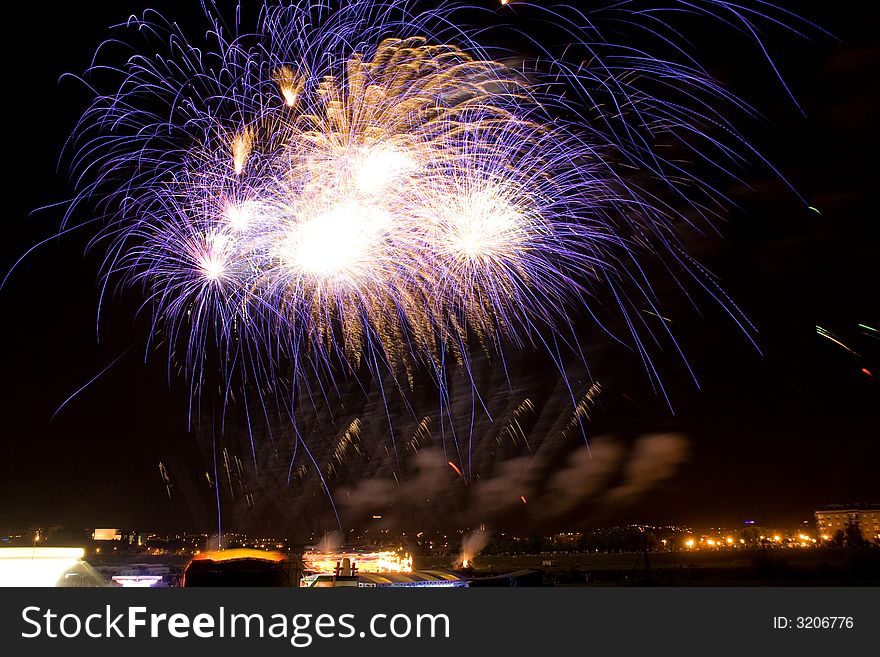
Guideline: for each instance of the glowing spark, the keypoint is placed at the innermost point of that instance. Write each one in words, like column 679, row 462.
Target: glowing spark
column 665, row 319
column 870, row 331
column 455, row 467
column 832, row 338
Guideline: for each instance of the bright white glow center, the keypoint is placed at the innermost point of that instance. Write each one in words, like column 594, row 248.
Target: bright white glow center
column 240, row 216
column 483, row 226
column 377, row 167
column 212, row 268
column 340, row 243
column 213, row 260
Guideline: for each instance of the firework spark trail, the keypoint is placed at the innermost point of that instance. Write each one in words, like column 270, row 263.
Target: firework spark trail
column 367, row 185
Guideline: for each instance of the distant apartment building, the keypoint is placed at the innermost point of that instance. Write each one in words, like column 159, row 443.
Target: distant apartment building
column 834, row 518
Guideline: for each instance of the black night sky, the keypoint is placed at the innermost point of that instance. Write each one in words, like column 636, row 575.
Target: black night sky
column 771, row 436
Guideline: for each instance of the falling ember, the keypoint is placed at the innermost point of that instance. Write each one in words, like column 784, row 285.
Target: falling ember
column 455, row 467
column 523, row 498
column 242, row 144
column 865, row 370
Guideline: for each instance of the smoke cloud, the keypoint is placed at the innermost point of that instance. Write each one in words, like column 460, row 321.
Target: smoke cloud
column 655, row 458
column 471, row 545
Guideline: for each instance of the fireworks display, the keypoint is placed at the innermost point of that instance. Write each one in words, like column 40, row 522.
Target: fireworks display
column 375, row 190
column 371, row 184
